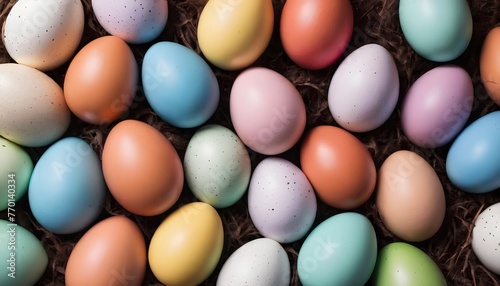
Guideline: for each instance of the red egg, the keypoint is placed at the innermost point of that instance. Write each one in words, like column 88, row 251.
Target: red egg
column 315, row 33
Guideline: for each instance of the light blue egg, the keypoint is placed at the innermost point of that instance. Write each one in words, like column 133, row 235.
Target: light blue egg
column 473, row 161
column 67, row 188
column 438, row 30
column 342, row 250
column 179, row 85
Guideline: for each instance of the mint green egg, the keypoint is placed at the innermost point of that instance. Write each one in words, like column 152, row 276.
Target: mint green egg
column 402, row 264
column 23, row 259
column 341, row 250
column 15, row 173
column 438, row 30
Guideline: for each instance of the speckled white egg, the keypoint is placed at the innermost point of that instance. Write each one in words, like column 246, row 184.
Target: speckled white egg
column 133, row 21
column 33, row 111
column 262, row 262
column 486, row 238
column 43, row 34
column 364, row 89
column 281, row 201
column 217, row 166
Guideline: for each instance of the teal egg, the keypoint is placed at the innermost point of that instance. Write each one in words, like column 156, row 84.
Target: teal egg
column 438, row 30
column 341, row 250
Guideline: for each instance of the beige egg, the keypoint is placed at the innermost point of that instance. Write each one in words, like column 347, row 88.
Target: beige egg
column 410, row 197
column 33, row 111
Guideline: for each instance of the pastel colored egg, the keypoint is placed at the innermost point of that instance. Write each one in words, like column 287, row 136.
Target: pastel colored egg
column 485, row 238
column 490, row 64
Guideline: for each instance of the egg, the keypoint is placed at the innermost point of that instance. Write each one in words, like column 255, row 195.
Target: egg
column 142, row 168
column 66, row 190
column 489, row 64
column 261, row 261
column 23, row 259
column 403, row 264
column 281, row 201
column 315, row 33
column 410, row 197
column 217, row 166
column 339, row 167
column 43, row 34
column 33, row 111
column 187, row 245
column 179, row 85
column 101, row 81
column 341, row 250
column 136, row 22
column 473, row 160
column 364, row 89
column 112, row 252
column 486, row 238
column 437, row 105
column 16, row 168
column 232, row 34
column 439, row 31
column 280, row 110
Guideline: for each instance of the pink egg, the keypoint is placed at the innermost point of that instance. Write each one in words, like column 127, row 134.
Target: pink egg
column 267, row 111
column 437, row 106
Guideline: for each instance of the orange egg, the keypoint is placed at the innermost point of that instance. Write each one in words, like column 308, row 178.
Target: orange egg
column 141, row 168
column 112, row 252
column 490, row 64
column 101, row 80
column 315, row 33
column 339, row 167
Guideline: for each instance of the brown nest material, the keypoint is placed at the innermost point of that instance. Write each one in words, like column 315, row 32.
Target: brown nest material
column 376, row 21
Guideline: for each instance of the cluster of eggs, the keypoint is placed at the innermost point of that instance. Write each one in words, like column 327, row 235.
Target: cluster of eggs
column 144, row 173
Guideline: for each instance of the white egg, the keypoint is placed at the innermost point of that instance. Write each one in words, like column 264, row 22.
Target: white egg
column 43, row 34
column 217, row 166
column 486, row 238
column 33, row 111
column 133, row 21
column 262, row 262
column 281, row 201
column 364, row 89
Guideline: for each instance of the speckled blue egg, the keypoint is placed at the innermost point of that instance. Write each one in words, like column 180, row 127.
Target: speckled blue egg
column 179, row 85
column 341, row 250
column 133, row 21
column 67, row 188
column 473, row 161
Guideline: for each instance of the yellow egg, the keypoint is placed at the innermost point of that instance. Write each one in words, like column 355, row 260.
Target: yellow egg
column 187, row 246
column 232, row 34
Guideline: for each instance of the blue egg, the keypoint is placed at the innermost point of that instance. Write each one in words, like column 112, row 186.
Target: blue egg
column 438, row 30
column 473, row 161
column 341, row 250
column 67, row 189
column 179, row 85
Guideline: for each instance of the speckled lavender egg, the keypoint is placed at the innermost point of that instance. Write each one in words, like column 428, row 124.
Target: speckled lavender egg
column 281, row 201
column 134, row 21
column 261, row 261
column 217, row 166
column 486, row 238
column 43, row 34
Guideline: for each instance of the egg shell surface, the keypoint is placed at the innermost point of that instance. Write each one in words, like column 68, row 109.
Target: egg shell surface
column 490, row 64
column 43, row 34
column 267, row 111
column 179, row 85
column 67, row 189
column 281, row 201
column 142, row 168
column 33, row 111
column 486, row 238
column 364, row 90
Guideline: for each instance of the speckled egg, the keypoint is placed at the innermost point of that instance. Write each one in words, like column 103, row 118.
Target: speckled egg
column 217, row 166
column 33, row 111
column 43, row 34
column 133, row 21
column 281, row 201
column 486, row 238
column 262, row 261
